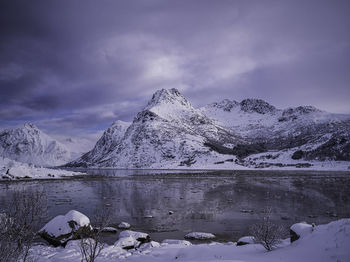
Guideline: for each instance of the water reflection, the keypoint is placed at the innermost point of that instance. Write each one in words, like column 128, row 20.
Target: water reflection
column 224, row 203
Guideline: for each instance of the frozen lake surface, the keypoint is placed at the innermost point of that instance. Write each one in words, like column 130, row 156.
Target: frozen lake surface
column 225, row 203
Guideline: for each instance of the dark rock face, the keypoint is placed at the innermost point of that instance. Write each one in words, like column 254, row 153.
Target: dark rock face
column 300, row 110
column 293, row 236
column 62, row 240
column 226, row 105
column 337, row 148
column 257, row 105
column 298, row 154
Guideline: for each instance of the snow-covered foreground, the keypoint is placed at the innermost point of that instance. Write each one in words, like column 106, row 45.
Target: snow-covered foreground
column 328, row 242
column 11, row 169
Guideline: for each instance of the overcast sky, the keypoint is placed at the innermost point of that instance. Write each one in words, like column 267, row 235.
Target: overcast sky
column 73, row 67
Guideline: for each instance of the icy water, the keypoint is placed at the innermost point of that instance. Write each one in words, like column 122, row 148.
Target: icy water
column 225, row 203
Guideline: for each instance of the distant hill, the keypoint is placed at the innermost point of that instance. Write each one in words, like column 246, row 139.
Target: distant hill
column 29, row 144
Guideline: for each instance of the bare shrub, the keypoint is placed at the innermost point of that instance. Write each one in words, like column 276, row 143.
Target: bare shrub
column 266, row 232
column 19, row 223
column 92, row 245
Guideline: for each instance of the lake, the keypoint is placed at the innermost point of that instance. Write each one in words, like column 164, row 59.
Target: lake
column 225, row 203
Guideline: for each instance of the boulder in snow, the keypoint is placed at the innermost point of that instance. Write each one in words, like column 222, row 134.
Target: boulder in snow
column 124, row 225
column 299, row 230
column 149, row 245
column 139, row 236
column 200, row 236
column 246, row 240
column 61, row 229
column 127, row 243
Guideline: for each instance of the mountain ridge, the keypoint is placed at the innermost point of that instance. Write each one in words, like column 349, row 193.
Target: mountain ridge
column 170, row 132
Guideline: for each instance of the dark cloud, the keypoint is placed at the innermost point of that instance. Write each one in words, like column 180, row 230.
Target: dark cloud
column 75, row 66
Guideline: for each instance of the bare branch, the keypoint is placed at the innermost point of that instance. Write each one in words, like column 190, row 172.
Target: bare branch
column 266, row 232
column 92, row 246
column 19, row 224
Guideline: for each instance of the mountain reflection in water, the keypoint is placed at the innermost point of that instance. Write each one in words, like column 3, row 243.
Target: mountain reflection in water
column 225, row 203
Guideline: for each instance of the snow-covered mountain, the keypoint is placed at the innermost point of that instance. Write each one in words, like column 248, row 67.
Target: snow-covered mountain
column 169, row 132
column 319, row 134
column 28, row 144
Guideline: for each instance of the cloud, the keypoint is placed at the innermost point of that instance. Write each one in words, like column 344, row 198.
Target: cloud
column 78, row 66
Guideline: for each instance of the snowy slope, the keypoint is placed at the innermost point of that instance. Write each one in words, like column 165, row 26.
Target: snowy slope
column 170, row 133
column 28, row 144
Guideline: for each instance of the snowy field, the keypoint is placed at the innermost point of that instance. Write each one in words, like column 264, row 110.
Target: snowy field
column 326, row 243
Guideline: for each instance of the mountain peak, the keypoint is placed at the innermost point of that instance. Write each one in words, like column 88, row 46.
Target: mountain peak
column 120, row 123
column 225, row 104
column 300, row 110
column 168, row 96
column 256, row 105
column 30, row 126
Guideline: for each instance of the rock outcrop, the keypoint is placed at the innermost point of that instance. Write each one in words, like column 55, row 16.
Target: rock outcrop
column 61, row 229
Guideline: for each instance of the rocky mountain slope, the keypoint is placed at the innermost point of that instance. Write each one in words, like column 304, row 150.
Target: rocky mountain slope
column 170, row 133
column 28, row 144
column 317, row 135
column 109, row 141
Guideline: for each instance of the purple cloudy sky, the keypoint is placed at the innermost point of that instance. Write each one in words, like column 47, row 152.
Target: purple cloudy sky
column 76, row 66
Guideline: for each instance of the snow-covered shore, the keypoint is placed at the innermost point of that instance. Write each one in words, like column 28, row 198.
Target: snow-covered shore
column 226, row 164
column 13, row 170
column 326, row 243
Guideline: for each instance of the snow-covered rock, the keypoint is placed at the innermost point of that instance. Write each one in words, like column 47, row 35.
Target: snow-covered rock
column 140, row 236
column 149, row 245
column 124, row 225
column 29, row 144
column 299, row 230
column 246, row 240
column 63, row 228
column 128, row 242
column 200, row 236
